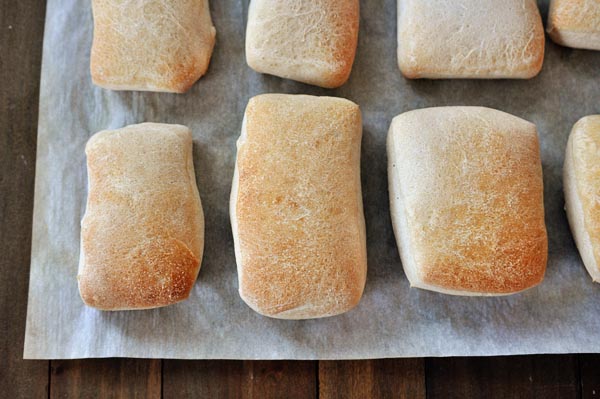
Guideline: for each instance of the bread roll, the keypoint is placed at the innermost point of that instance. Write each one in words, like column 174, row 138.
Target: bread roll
column 311, row 41
column 575, row 23
column 582, row 190
column 153, row 45
column 142, row 234
column 296, row 207
column 485, row 39
column 466, row 200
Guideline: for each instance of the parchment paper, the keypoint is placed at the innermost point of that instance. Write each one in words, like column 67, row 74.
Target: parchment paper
column 561, row 315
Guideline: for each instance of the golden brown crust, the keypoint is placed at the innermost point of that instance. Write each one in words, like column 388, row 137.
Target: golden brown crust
column 309, row 41
column 575, row 23
column 297, row 207
column 469, row 181
column 474, row 39
column 152, row 45
column 142, row 235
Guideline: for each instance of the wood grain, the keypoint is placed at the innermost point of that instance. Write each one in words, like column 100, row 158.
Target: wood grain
column 280, row 379
column 202, row 379
column 240, row 379
column 388, row 378
column 21, row 31
column 503, row 377
column 106, row 378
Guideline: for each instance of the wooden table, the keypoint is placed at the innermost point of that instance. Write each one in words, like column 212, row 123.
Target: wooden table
column 21, row 27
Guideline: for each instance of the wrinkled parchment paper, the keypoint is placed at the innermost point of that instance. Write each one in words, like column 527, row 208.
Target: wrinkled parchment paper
column 561, row 315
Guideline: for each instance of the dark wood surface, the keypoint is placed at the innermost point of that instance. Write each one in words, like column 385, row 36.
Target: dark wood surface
column 21, row 31
column 386, row 378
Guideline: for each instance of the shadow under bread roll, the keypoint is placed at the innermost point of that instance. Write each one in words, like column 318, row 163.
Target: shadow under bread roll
column 581, row 178
column 151, row 45
column 142, row 235
column 296, row 207
column 466, row 200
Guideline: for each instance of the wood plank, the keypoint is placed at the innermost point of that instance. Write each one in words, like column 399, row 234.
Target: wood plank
column 239, row 379
column 21, row 32
column 589, row 372
column 105, row 378
column 503, row 377
column 386, row 378
column 280, row 379
column 202, row 379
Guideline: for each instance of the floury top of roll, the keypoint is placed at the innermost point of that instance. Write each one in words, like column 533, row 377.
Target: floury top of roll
column 296, row 206
column 466, row 201
column 151, row 45
column 166, row 46
column 482, row 39
column 309, row 41
column 142, row 235
column 466, row 196
column 575, row 23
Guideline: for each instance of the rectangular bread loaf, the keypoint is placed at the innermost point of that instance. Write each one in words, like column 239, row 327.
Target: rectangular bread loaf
column 476, row 39
column 142, row 234
column 296, row 207
column 311, row 41
column 582, row 190
column 575, row 23
column 151, row 45
column 466, row 196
